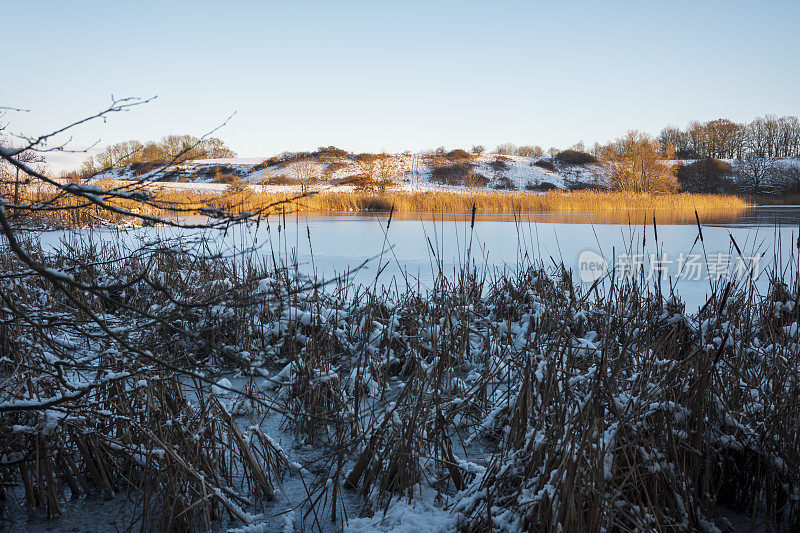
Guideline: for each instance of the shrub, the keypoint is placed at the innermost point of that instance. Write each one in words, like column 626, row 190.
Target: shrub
column 260, row 166
column 576, row 185
column 503, row 183
column 457, row 155
column 170, row 175
column 574, row 157
column 686, row 153
column 478, row 149
column 226, row 169
column 706, row 175
column 217, row 172
column 474, row 180
column 331, row 152
column 236, row 186
column 353, row 179
column 275, row 160
column 376, row 203
column 500, row 163
column 542, row 186
column 506, row 149
column 365, row 158
column 333, row 166
column 294, row 157
column 281, row 179
column 545, row 164
column 786, row 179
column 143, row 168
column 453, row 174
column 228, row 178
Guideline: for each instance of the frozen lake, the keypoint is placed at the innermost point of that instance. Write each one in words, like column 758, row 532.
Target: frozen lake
column 415, row 247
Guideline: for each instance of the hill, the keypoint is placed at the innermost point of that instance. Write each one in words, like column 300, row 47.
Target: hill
column 333, row 169
column 454, row 170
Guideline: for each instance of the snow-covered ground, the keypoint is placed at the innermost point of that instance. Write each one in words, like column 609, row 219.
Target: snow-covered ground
column 405, row 171
column 408, row 171
column 530, row 363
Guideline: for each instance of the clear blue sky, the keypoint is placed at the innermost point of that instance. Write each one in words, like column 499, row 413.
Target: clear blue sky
column 397, row 75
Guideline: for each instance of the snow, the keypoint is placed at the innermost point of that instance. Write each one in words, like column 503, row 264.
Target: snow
column 439, row 512
column 222, row 387
column 237, row 161
column 421, row 516
column 413, row 172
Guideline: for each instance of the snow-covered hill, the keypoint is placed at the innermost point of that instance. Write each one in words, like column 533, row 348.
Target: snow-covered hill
column 455, row 171
column 405, row 171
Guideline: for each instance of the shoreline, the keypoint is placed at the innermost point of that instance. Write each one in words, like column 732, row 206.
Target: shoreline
column 461, row 202
column 600, row 205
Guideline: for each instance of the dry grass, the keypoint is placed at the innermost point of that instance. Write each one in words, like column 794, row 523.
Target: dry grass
column 69, row 211
column 610, row 206
column 603, row 409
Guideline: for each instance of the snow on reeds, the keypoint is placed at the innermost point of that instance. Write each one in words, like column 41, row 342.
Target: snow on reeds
column 511, row 401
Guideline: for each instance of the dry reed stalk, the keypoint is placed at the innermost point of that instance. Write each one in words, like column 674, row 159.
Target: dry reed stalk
column 66, row 211
column 522, row 399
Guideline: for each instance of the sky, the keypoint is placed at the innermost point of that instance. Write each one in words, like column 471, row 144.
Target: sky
column 374, row 76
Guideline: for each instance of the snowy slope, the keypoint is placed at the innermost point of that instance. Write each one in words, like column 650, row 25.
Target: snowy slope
column 410, row 171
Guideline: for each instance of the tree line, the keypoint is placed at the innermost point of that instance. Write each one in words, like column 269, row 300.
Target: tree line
column 767, row 136
column 170, row 148
column 633, row 162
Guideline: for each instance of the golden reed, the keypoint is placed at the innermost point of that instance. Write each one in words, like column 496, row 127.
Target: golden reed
column 598, row 205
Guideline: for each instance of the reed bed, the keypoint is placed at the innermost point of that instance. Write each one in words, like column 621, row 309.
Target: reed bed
column 511, row 401
column 607, row 206
column 556, row 202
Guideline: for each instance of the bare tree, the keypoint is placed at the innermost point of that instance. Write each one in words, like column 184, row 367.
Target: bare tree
column 530, row 151
column 755, row 172
column 474, row 180
column 387, row 167
column 635, row 163
column 367, row 169
column 28, row 157
column 721, row 136
column 578, row 146
column 175, row 148
column 787, row 179
column 676, row 138
column 767, row 136
column 306, row 171
column 789, row 142
column 506, row 149
column 104, row 345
